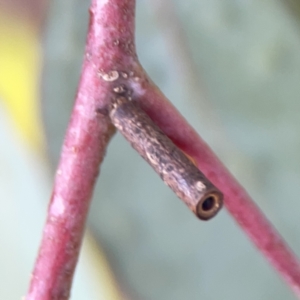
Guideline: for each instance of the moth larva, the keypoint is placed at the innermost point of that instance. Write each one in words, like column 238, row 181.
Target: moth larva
column 173, row 166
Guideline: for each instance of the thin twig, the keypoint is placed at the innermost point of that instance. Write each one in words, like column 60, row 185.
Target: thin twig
column 236, row 200
column 84, row 147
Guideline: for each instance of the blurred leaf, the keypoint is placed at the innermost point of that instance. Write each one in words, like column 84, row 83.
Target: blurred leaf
column 19, row 73
column 63, row 51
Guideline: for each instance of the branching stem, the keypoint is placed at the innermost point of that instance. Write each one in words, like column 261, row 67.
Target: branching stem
column 110, row 63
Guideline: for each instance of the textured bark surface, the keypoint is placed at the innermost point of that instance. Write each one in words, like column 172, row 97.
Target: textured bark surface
column 111, row 32
column 174, row 168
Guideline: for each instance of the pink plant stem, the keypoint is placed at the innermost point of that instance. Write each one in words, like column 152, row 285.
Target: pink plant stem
column 236, row 200
column 111, row 25
column 110, row 60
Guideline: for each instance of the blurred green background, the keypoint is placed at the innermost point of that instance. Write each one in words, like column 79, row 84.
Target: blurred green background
column 232, row 68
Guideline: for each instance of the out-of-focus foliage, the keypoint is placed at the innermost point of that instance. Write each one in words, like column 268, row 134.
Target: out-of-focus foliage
column 23, row 175
column 63, row 52
column 294, row 6
column 247, row 54
column 19, row 71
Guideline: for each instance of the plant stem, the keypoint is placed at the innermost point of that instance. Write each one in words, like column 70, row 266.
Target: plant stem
column 110, row 60
column 239, row 204
column 84, row 147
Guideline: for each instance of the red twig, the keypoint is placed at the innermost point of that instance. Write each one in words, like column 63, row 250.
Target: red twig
column 109, row 47
column 111, row 60
column 236, row 200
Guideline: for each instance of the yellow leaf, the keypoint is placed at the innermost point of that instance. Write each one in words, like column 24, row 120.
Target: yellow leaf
column 20, row 64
